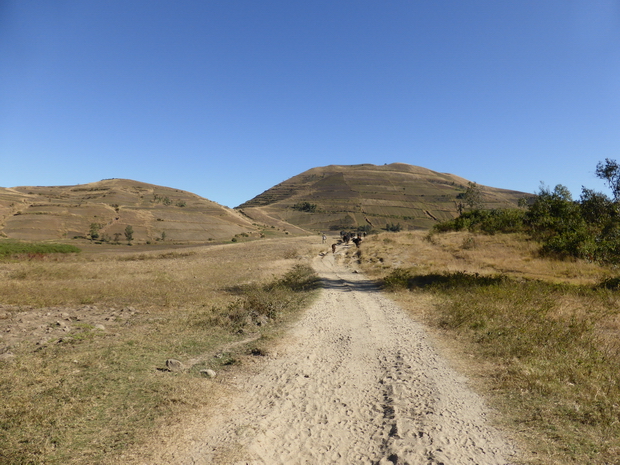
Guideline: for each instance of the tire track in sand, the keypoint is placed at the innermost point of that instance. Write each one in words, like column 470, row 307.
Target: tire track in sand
column 358, row 384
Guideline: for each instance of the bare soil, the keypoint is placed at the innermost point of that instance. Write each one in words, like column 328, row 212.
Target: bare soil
column 355, row 381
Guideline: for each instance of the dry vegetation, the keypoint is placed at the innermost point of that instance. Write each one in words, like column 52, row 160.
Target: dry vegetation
column 541, row 334
column 84, row 340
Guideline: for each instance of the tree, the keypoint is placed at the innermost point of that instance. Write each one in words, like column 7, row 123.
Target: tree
column 94, row 231
column 129, row 233
column 552, row 212
column 556, row 220
column 473, row 196
column 609, row 171
column 597, row 209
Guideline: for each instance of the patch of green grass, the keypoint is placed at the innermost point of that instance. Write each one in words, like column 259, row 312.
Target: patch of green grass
column 10, row 248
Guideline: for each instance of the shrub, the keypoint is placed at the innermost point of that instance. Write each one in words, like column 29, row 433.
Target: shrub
column 393, row 227
column 587, row 229
column 397, row 279
column 406, row 279
column 305, row 207
column 129, row 233
column 94, row 230
column 503, row 220
column 272, row 300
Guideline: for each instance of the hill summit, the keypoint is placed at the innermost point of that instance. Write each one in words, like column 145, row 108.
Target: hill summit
column 345, row 197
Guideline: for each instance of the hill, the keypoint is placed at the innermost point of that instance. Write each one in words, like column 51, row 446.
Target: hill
column 153, row 212
column 343, row 197
column 320, row 199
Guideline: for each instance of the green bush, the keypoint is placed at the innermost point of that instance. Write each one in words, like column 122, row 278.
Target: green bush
column 392, row 227
column 506, row 220
column 397, row 279
column 305, row 207
column 587, row 229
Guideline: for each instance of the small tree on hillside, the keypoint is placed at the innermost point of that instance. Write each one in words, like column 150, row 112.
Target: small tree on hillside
column 94, row 231
column 129, row 233
column 473, row 196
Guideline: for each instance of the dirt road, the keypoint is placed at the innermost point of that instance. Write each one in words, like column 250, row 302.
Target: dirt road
column 358, row 383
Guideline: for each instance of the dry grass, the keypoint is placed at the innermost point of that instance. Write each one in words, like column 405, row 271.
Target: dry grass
column 88, row 394
column 510, row 254
column 190, row 277
column 542, row 334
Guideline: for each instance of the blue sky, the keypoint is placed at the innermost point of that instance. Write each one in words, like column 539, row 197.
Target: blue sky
column 228, row 98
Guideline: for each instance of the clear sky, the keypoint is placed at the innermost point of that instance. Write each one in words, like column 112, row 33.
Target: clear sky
column 226, row 98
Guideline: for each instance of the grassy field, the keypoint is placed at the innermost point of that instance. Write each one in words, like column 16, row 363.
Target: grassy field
column 538, row 336
column 97, row 384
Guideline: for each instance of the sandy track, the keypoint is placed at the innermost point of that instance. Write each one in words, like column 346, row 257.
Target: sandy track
column 357, row 384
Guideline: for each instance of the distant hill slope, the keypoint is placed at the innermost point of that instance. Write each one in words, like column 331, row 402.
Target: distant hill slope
column 66, row 212
column 345, row 197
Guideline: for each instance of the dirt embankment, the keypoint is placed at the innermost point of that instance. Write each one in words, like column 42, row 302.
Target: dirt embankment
column 357, row 382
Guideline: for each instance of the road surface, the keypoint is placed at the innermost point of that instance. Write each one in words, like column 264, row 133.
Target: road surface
column 357, row 383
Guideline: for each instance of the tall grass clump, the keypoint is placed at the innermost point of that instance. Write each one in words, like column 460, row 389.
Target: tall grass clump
column 554, row 360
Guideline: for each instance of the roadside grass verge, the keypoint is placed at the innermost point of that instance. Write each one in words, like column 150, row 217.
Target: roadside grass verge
column 546, row 350
column 92, row 395
column 553, row 359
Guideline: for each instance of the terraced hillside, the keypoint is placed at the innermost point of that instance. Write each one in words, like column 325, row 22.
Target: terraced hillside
column 340, row 197
column 155, row 213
